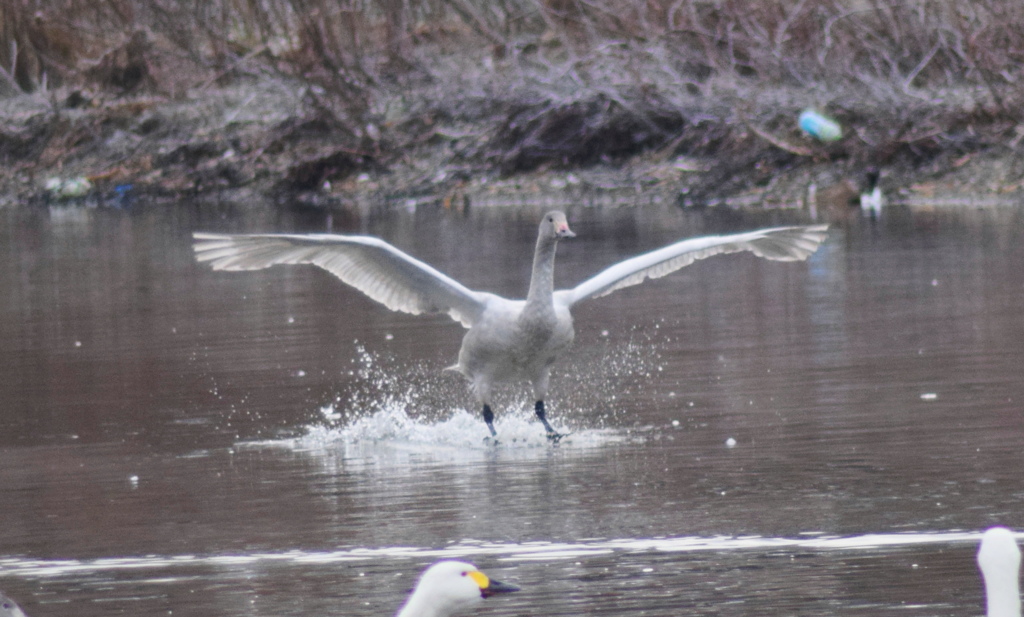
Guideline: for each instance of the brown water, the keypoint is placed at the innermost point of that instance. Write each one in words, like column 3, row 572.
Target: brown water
column 180, row 441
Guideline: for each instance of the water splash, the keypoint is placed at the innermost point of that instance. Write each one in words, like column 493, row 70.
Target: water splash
column 407, row 408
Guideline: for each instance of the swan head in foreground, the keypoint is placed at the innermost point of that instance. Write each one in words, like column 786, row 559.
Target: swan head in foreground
column 999, row 560
column 507, row 339
column 10, row 608
column 450, row 588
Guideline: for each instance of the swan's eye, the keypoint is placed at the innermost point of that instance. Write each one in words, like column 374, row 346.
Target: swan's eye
column 465, row 573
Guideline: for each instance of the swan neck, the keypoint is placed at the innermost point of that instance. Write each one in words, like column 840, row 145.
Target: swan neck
column 418, row 607
column 542, row 281
column 1002, row 594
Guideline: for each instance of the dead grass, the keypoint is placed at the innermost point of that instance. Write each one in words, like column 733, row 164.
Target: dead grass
column 556, row 83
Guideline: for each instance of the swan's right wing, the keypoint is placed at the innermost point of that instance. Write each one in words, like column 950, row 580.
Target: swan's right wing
column 371, row 265
column 778, row 244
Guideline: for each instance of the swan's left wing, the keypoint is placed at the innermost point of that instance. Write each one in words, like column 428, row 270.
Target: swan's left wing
column 777, row 244
column 371, row 265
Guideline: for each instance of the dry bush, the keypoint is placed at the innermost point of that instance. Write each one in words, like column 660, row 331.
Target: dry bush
column 353, row 43
column 916, row 42
column 911, row 79
column 563, row 81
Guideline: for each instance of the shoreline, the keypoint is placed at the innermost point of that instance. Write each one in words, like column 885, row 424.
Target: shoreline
column 259, row 138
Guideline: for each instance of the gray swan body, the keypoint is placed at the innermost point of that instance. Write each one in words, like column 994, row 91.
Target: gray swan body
column 507, row 339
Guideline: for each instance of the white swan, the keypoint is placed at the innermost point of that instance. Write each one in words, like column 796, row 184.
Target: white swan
column 871, row 199
column 450, row 587
column 507, row 339
column 10, row 608
column 999, row 560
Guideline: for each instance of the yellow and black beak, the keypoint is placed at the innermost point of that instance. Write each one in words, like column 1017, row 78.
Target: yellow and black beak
column 489, row 587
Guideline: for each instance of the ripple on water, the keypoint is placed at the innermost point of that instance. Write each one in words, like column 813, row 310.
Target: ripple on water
column 512, row 552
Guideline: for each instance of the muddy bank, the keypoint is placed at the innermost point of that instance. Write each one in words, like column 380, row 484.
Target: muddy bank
column 476, row 130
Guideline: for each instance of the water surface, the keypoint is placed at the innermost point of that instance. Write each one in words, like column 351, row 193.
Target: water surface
column 176, row 440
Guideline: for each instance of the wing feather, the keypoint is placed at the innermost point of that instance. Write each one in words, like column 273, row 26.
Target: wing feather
column 777, row 244
column 371, row 265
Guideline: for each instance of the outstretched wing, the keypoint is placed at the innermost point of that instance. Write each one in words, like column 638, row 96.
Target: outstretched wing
column 777, row 244
column 374, row 267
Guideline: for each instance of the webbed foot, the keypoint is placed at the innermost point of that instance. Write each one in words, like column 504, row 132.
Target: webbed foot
column 557, row 438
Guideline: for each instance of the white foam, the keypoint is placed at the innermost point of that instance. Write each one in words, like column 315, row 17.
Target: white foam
column 392, row 438
column 402, row 414
column 475, row 549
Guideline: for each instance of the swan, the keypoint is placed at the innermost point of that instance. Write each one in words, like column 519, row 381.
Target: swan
column 999, row 560
column 450, row 587
column 10, row 608
column 871, row 199
column 507, row 339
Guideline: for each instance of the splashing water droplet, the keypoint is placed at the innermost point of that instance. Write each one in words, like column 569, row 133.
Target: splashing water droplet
column 417, row 409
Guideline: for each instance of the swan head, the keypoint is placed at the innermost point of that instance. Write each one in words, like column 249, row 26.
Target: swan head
column 554, row 226
column 451, row 587
column 999, row 560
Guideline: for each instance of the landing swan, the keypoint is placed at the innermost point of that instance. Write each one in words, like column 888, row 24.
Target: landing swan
column 507, row 339
column 450, row 587
column 999, row 560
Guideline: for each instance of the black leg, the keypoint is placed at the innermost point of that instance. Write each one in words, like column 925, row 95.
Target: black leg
column 539, row 409
column 489, row 419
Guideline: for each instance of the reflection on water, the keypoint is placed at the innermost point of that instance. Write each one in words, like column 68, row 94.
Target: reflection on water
column 179, row 440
